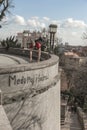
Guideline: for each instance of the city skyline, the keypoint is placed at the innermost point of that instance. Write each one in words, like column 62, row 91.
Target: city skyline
column 69, row 15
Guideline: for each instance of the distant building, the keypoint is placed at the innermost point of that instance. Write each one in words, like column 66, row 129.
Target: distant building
column 66, row 43
column 61, row 48
column 84, row 50
column 71, row 59
column 24, row 38
column 19, row 37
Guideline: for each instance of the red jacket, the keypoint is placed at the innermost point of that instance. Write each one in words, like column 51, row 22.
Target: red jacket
column 38, row 45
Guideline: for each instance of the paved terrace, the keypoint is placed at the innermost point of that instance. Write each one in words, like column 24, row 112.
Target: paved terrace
column 6, row 60
column 15, row 56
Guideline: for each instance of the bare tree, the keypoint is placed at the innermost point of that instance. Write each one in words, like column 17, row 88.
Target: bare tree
column 5, row 5
column 77, row 85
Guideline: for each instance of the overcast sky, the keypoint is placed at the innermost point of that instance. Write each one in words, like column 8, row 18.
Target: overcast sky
column 69, row 15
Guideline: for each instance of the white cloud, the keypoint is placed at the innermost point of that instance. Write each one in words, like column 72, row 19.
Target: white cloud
column 74, row 33
column 35, row 17
column 33, row 23
column 71, row 23
column 42, row 25
column 36, row 23
column 46, row 18
column 19, row 20
column 70, row 36
column 69, row 30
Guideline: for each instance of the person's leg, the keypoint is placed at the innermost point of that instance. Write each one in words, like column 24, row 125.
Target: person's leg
column 39, row 54
column 30, row 55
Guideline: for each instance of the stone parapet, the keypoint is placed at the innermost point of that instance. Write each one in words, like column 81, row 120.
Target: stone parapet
column 36, row 76
column 31, row 94
column 25, row 52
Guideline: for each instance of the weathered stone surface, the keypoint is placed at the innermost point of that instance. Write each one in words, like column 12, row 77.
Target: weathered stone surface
column 31, row 95
column 4, row 122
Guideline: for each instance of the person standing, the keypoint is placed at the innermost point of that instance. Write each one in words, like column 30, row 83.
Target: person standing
column 38, row 46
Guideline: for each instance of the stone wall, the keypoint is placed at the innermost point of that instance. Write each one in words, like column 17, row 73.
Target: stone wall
column 31, row 95
column 24, row 52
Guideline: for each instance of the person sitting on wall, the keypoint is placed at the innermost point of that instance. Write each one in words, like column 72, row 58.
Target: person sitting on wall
column 32, row 45
column 38, row 46
column 43, row 43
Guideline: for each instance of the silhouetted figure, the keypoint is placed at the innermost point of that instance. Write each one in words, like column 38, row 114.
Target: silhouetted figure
column 38, row 46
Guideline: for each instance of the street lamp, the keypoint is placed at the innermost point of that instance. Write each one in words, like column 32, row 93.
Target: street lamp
column 52, row 31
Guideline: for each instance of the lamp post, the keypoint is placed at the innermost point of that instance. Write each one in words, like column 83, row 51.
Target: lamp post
column 52, row 31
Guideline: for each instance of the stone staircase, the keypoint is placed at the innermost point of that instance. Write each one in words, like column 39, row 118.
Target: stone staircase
column 74, row 122
column 71, row 122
